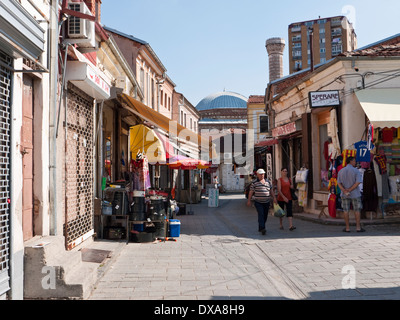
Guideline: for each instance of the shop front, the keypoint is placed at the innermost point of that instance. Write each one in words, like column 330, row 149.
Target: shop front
column 138, row 205
column 379, row 150
column 86, row 85
column 22, row 44
column 289, row 149
column 289, row 153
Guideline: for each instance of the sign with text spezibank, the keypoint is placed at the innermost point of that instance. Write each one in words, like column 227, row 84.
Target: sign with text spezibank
column 322, row 99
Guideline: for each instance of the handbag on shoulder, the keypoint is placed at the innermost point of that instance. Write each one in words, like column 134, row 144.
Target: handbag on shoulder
column 294, row 195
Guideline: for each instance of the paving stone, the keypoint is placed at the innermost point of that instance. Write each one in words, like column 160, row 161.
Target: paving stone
column 221, row 256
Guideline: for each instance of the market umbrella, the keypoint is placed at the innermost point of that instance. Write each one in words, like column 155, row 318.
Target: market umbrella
column 185, row 163
column 145, row 140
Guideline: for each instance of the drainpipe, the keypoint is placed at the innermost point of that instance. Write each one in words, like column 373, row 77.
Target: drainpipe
column 55, row 27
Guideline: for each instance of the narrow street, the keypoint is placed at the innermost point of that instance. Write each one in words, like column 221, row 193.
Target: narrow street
column 220, row 255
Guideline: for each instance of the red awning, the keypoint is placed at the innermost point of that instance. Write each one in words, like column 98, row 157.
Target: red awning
column 267, row 143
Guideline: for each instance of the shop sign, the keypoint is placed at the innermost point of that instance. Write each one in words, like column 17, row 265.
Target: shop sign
column 322, row 99
column 284, row 130
column 88, row 80
column 98, row 81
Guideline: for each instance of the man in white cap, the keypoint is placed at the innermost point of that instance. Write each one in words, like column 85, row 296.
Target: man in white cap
column 263, row 192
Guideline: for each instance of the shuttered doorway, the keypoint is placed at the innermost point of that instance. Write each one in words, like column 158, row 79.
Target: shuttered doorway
column 79, row 168
column 5, row 122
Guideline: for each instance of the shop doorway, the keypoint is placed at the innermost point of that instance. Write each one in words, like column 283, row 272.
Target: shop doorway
column 27, row 158
column 5, row 142
column 79, row 168
column 323, row 137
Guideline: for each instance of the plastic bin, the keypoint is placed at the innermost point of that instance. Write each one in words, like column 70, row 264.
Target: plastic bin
column 174, row 228
column 138, row 227
column 107, row 208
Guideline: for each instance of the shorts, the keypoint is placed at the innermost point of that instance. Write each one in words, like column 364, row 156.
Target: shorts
column 356, row 202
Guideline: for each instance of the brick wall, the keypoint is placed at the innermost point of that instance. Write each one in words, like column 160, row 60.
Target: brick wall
column 94, row 5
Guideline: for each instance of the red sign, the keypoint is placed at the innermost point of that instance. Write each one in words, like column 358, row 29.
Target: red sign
column 284, row 130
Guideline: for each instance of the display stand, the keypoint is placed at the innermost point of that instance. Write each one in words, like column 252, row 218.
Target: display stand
column 146, row 235
column 124, row 218
column 213, row 198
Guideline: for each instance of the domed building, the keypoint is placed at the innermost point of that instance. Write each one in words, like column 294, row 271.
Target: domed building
column 227, row 113
column 223, row 111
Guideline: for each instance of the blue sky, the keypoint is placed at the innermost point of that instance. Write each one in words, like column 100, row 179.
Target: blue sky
column 213, row 45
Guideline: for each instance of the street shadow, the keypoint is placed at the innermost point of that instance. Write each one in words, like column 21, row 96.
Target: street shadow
column 234, row 218
column 392, row 293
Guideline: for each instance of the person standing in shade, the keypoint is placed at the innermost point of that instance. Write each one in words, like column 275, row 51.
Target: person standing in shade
column 216, row 182
column 263, row 192
column 285, row 198
column 349, row 179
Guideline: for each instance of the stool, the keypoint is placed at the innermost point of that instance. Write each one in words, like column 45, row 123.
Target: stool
column 322, row 214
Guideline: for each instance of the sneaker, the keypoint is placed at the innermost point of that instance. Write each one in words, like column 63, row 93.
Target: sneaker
column 263, row 231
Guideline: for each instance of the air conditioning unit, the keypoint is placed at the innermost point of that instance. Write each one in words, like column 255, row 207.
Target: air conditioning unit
column 120, row 82
column 81, row 31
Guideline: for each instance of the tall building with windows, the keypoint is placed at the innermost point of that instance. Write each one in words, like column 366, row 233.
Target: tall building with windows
column 329, row 36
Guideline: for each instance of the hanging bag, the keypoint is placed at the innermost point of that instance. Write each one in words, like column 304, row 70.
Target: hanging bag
column 301, row 176
column 278, row 211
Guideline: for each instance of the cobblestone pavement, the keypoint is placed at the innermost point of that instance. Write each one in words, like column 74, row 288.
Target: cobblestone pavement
column 220, row 255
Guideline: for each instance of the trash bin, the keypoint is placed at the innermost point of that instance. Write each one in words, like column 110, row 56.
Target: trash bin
column 182, row 209
column 174, row 228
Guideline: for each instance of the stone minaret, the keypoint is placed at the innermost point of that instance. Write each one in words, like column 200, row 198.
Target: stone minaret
column 275, row 48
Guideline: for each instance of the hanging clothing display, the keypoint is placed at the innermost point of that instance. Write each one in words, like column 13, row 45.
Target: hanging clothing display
column 333, row 133
column 388, row 134
column 370, row 191
column 381, row 161
column 348, row 153
column 378, row 158
column 363, row 153
column 332, row 205
column 140, row 175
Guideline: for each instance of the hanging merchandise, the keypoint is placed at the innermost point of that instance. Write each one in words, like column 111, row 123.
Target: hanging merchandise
column 140, row 175
column 388, row 134
column 333, row 184
column 301, row 175
column 302, row 187
column 363, row 151
column 333, row 133
column 370, row 191
column 370, row 137
column 381, row 160
column 332, row 203
column 327, row 154
column 348, row 153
